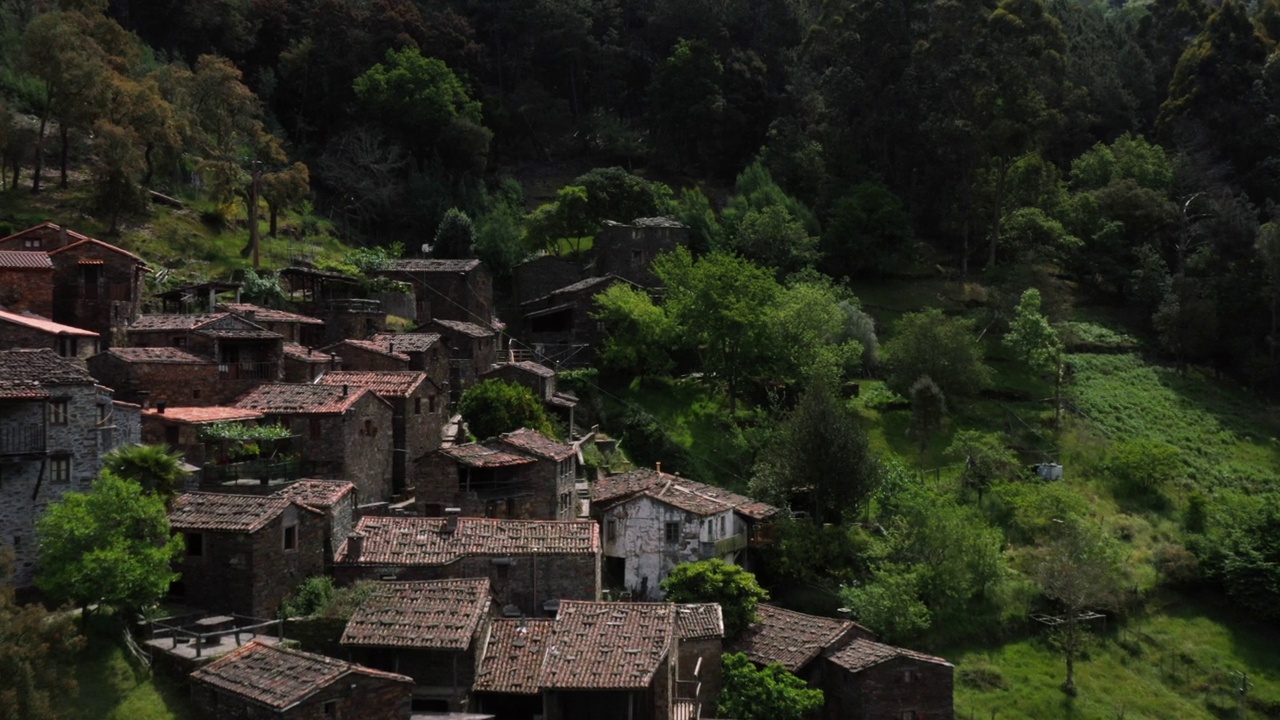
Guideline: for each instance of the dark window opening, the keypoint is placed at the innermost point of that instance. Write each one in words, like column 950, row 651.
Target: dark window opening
column 89, row 277
column 58, row 412
column 430, row 705
column 417, row 406
column 195, row 544
column 291, row 537
column 171, row 435
column 553, row 322
column 673, row 532
column 315, row 427
column 611, row 530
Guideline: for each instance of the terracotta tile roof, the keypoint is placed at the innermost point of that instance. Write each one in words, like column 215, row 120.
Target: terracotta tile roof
column 24, row 373
column 277, row 677
column 305, row 354
column 316, row 493
column 159, row 355
column 219, row 512
column 477, row 455
column 532, row 441
column 407, row 342
column 422, row 541
column 369, row 345
column 384, row 383
column 203, row 415
column 25, row 260
column 680, row 492
column 168, row 322
column 35, row 322
column 466, row 328
column 434, row 615
column 265, row 314
column 861, row 654
column 695, row 621
column 93, row 242
column 432, row 265
column 790, row 638
column 607, row 646
column 513, row 661
column 49, row 225
column 300, row 399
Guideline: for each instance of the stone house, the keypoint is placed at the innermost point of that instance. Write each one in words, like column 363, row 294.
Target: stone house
column 426, row 351
column 530, row 564
column 435, row 632
column 293, row 327
column 267, row 682
column 181, row 427
column 654, row 521
column 417, row 413
column 19, row 330
column 336, row 500
column 459, row 290
column 336, row 299
column 246, row 353
column 341, row 432
column 509, row 682
column 26, row 282
column 368, row 356
column 700, row 644
column 520, row 474
column 244, row 554
column 628, row 251
column 867, row 680
column 303, row 364
column 472, row 349
column 169, row 375
column 794, row 640
column 560, row 326
column 45, row 237
column 541, row 380
column 56, row 422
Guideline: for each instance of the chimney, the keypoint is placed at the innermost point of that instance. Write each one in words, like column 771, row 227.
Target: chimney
column 658, row 466
column 450, row 520
column 844, row 613
column 355, row 545
column 345, row 389
column 160, row 406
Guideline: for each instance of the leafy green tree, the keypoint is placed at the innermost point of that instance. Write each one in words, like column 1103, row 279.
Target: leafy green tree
column 755, row 189
column 1142, row 466
column 890, row 603
column 117, row 164
column 687, row 106
column 693, row 209
column 615, row 194
column 946, row 349
column 928, row 412
column 109, row 546
column 768, row 693
column 494, row 407
column 38, row 653
column 987, row 461
column 869, row 231
column 1240, row 549
column 156, row 470
column 284, row 189
column 811, row 335
column 1081, row 569
column 716, row 581
column 638, row 333
column 771, row 237
column 567, row 218
column 500, row 242
column 1128, row 157
column 1036, row 343
column 1187, row 320
column 455, row 236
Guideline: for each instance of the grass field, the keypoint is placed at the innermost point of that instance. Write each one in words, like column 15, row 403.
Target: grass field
column 112, row 688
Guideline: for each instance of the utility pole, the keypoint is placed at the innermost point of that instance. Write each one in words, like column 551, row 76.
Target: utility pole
column 1243, row 690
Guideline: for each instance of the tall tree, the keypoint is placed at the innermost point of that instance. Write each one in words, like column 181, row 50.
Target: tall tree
column 1036, row 343
column 38, row 651
column 946, row 349
column 284, row 189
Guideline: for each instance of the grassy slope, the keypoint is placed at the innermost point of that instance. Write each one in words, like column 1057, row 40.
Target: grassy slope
column 111, row 688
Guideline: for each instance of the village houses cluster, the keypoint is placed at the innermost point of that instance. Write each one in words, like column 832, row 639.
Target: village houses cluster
column 508, row 582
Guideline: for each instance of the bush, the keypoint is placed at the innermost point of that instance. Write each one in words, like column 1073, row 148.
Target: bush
column 1140, row 467
column 982, row 676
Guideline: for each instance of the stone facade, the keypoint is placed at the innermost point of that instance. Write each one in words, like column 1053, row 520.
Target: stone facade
column 163, row 375
column 97, row 287
column 303, row 364
column 21, row 330
column 498, row 480
column 367, row 356
column 26, row 282
column 628, row 251
column 471, row 350
column 868, row 681
column 446, row 289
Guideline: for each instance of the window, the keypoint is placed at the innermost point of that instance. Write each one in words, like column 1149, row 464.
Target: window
column 673, row 532
column 60, row 470
column 179, row 342
column 67, row 346
column 315, row 427
column 722, row 525
column 611, row 529
column 331, row 709
column 172, row 435
column 17, row 542
column 290, row 537
column 194, row 543
column 195, row 394
column 564, row 501
column 58, row 412
column 32, row 244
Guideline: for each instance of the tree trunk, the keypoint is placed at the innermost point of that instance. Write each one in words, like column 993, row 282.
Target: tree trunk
column 997, row 213
column 273, row 211
column 39, row 159
column 146, row 158
column 62, row 179
column 17, row 168
column 1069, row 685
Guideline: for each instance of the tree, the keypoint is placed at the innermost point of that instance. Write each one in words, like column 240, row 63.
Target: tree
column 109, row 546
column 568, row 217
column 869, row 231
column 116, row 164
column 928, row 412
column 455, row 236
column 615, row 194
column 716, row 581
column 768, row 693
column 637, row 332
column 494, row 407
column 156, row 470
column 946, row 349
column 1036, row 343
column 986, row 460
column 1081, row 569
column 284, row 189
column 771, row 237
column 38, row 651
column 500, row 242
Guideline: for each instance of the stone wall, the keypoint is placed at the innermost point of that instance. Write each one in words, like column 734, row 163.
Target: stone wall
column 29, row 289
column 638, row 534
column 628, row 251
column 106, row 306
column 704, row 654
column 891, row 689
column 543, row 275
column 354, row 446
column 178, row 384
column 535, row 491
column 13, row 335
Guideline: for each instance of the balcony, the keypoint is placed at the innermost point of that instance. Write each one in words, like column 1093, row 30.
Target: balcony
column 250, row 370
column 264, row 471
column 27, row 439
column 723, row 547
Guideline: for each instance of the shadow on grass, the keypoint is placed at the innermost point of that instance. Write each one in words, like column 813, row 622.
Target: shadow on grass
column 112, row 686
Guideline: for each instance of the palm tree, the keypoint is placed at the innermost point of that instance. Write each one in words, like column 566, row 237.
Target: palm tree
column 157, row 470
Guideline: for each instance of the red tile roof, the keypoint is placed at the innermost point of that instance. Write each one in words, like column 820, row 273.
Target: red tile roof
column 607, row 645
column 159, row 355
column 513, row 661
column 279, row 678
column 316, row 493
column 680, row 492
column 862, row 654
column 384, row 383
column 47, row 224
column 25, row 373
column 218, row 512
column 168, row 322
column 477, row 455
column 434, row 615
column 368, row 345
column 89, row 242
column 35, row 322
column 532, row 441
column 306, row 354
column 203, row 415
column 300, row 399
column 695, row 621
column 407, row 342
column 25, row 260
column 265, row 314
column 422, row 541
column 792, row 639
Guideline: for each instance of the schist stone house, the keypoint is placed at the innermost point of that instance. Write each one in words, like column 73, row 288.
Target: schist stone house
column 654, row 521
column 25, row 330
column 520, row 474
column 245, row 554
column 26, row 282
column 426, row 351
column 434, row 632
column 303, row 364
column 246, row 353
column 96, row 286
column 628, row 251
column 181, row 427
column 418, row 413
column 446, row 289
column 260, row 681
column 531, row 564
column 366, row 355
column 294, row 328
column 472, row 349
column 56, row 422
column 342, row 432
column 560, row 325
column 336, row 500
column 509, row 683
column 171, row 375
